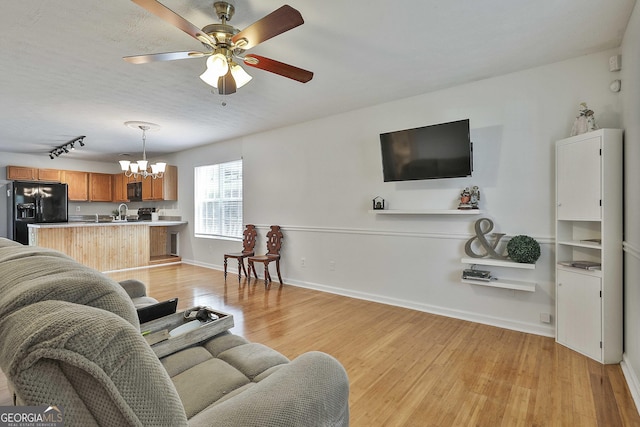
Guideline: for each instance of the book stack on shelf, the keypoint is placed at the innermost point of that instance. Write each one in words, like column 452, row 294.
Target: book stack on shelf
column 482, row 275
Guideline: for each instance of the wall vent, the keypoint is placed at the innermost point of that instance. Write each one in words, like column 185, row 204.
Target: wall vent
column 173, row 243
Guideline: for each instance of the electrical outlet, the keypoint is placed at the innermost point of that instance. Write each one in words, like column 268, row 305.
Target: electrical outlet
column 303, row 262
column 77, row 208
column 332, row 265
column 545, row 317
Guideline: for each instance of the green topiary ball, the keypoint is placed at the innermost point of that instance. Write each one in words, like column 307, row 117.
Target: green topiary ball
column 523, row 249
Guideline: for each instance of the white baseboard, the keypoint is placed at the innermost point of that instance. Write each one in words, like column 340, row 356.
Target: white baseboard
column 632, row 380
column 427, row 308
column 547, row 331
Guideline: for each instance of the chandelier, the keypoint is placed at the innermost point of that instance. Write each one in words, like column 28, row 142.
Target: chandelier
column 140, row 169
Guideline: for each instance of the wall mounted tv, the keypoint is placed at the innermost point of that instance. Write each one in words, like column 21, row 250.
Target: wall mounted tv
column 438, row 151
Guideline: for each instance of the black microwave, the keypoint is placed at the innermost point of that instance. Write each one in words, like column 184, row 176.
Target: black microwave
column 134, row 191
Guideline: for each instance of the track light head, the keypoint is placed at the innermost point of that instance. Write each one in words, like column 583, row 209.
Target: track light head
column 64, row 148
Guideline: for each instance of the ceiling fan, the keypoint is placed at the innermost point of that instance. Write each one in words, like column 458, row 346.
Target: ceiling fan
column 225, row 45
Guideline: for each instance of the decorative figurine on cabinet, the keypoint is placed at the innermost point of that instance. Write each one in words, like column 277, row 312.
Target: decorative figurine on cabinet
column 585, row 121
column 378, row 203
column 475, row 197
column 465, row 199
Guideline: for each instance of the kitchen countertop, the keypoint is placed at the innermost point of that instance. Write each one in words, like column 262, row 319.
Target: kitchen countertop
column 159, row 223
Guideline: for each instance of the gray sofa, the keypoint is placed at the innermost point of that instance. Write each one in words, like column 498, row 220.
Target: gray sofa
column 69, row 336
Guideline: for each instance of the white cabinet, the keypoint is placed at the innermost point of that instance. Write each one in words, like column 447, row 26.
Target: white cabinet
column 579, row 179
column 578, row 299
column 589, row 230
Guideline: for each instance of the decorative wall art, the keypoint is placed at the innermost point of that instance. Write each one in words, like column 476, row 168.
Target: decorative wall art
column 469, row 198
column 520, row 248
column 523, row 249
column 378, row 203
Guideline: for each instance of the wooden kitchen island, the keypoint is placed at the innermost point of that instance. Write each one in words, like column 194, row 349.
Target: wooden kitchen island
column 108, row 246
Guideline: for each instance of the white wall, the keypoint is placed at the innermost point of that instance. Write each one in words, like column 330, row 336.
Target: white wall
column 317, row 179
column 631, row 98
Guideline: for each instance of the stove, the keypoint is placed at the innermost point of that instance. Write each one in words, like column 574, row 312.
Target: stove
column 144, row 214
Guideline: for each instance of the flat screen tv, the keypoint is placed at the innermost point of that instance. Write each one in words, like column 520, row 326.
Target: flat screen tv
column 438, row 151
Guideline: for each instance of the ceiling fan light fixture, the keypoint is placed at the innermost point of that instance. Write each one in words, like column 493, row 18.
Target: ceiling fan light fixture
column 217, row 64
column 239, row 75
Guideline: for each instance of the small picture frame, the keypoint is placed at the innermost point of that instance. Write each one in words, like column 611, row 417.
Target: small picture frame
column 378, row 203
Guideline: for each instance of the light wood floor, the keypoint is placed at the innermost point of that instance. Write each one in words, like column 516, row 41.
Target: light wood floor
column 408, row 368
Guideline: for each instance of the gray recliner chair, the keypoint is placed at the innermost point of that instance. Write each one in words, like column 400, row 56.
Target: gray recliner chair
column 69, row 336
column 137, row 291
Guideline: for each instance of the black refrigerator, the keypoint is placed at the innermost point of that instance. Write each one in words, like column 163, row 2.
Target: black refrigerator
column 35, row 202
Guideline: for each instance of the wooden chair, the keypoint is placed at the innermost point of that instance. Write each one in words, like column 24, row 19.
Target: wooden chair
column 248, row 243
column 274, row 242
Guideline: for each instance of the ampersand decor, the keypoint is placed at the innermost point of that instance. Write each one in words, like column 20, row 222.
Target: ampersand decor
column 481, row 233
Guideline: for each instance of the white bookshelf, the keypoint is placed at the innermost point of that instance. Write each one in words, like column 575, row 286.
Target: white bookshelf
column 589, row 228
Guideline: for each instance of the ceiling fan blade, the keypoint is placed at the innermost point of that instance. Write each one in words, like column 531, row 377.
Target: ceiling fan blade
column 279, row 68
column 226, row 84
column 163, row 12
column 168, row 56
column 277, row 22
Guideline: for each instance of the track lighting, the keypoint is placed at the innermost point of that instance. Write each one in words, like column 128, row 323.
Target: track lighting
column 64, row 148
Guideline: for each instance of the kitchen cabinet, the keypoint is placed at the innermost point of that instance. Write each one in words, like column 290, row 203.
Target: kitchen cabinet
column 21, row 173
column 100, row 187
column 52, row 175
column 120, row 182
column 78, row 183
column 589, row 235
column 170, row 183
column 152, row 188
column 25, row 173
column 165, row 188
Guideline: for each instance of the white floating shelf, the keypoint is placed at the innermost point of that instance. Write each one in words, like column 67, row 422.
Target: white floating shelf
column 498, row 263
column 426, row 211
column 504, row 284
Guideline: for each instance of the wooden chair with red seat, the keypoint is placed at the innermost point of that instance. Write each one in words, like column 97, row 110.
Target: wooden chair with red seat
column 248, row 243
column 274, row 243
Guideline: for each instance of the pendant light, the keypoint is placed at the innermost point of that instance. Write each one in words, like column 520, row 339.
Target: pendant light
column 140, row 169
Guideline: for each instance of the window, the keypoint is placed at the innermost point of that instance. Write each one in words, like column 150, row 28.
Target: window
column 218, row 200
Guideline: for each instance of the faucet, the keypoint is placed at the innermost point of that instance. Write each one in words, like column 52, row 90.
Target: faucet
column 126, row 208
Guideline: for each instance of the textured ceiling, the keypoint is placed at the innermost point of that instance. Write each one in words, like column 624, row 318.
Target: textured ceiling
column 63, row 73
